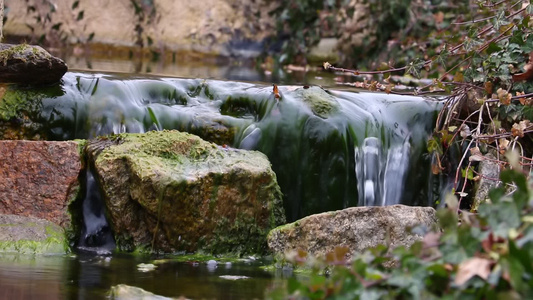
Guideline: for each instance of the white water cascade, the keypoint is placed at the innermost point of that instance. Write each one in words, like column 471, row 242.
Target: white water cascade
column 381, row 173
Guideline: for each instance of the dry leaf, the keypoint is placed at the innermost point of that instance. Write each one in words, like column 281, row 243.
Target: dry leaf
column 504, row 144
column 431, row 239
column 475, row 266
column 528, row 70
column 475, row 154
column 276, row 92
column 488, row 87
column 439, row 17
column 524, row 100
column 518, row 128
column 504, row 96
column 465, row 131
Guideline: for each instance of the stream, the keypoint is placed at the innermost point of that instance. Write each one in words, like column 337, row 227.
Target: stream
column 353, row 148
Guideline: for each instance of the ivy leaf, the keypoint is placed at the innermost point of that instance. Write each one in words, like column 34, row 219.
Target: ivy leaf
column 442, row 58
column 414, row 68
column 500, row 20
column 57, row 26
column 80, row 16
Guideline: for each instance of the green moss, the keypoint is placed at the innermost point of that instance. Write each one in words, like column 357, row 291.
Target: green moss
column 319, row 101
column 15, row 102
column 81, row 146
column 198, row 257
column 20, row 52
column 242, row 236
column 299, row 270
column 54, row 243
column 13, row 51
column 167, row 162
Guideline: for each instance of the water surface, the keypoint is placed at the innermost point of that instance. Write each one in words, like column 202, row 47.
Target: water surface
column 89, row 276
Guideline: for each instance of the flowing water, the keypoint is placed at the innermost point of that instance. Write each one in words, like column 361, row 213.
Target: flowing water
column 330, row 149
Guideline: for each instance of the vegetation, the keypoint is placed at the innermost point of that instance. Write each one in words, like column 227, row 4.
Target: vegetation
column 480, row 54
column 1, row 19
column 487, row 255
column 485, row 65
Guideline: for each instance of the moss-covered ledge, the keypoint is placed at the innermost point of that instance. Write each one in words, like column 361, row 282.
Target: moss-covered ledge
column 29, row 235
column 28, row 64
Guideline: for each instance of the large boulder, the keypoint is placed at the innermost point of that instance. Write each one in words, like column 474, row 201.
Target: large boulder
column 27, row 64
column 357, row 228
column 31, row 235
column 39, row 179
column 172, row 191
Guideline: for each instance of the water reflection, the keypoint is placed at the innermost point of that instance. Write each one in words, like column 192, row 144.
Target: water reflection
column 87, row 276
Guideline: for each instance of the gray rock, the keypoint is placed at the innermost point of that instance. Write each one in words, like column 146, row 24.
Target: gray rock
column 29, row 235
column 357, row 228
column 172, row 191
column 27, row 64
column 126, row 292
column 489, row 171
column 324, row 51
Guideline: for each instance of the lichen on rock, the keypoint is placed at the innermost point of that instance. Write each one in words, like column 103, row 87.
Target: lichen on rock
column 357, row 228
column 171, row 191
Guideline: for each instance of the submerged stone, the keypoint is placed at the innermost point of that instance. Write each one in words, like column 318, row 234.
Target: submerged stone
column 27, row 64
column 171, row 191
column 29, row 235
column 357, row 228
column 124, row 292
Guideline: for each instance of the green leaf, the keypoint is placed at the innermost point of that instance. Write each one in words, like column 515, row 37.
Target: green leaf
column 529, row 9
column 293, row 285
column 80, row 16
column 467, row 173
column 522, row 256
column 75, row 4
column 493, row 47
column 57, row 26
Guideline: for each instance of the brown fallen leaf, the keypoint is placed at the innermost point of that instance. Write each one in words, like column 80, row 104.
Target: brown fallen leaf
column 528, row 70
column 475, row 266
column 518, row 128
column 276, row 92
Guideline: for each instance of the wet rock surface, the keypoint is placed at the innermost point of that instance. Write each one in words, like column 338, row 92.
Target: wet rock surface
column 357, row 228
column 27, row 64
column 172, row 191
column 30, row 235
column 123, row 291
column 39, row 179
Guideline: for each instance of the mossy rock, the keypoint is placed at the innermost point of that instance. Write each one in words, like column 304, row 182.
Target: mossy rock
column 29, row 235
column 29, row 65
column 319, row 101
column 171, row 191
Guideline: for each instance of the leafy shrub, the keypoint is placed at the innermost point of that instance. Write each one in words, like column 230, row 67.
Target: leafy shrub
column 488, row 255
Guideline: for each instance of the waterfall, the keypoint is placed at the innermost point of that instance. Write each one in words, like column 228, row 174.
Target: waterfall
column 330, row 149
column 96, row 235
column 380, row 172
